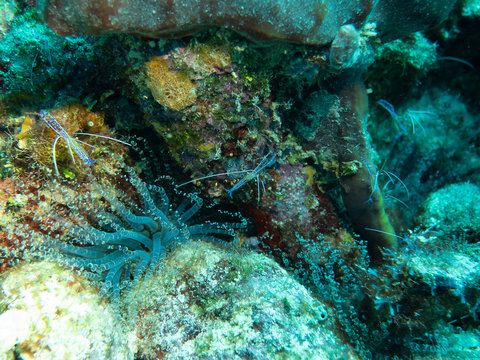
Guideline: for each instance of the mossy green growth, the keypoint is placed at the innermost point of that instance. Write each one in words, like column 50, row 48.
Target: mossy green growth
column 18, row 201
column 28, row 51
column 415, row 51
column 67, row 174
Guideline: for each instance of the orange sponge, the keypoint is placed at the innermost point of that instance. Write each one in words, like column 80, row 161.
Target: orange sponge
column 171, row 89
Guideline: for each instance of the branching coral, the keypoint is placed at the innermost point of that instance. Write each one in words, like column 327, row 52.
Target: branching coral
column 132, row 240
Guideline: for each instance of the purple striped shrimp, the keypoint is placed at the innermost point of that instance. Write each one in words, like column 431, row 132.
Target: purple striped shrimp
column 73, row 144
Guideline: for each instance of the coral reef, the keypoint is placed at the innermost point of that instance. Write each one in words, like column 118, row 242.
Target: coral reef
column 395, row 19
column 342, row 147
column 51, row 312
column 311, row 22
column 440, row 296
column 453, row 210
column 39, row 69
column 400, row 65
column 431, row 144
column 40, row 140
column 132, row 241
column 8, row 9
column 213, row 303
column 344, row 132
column 347, row 51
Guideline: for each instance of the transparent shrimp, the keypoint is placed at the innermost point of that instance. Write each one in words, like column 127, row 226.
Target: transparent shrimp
column 74, row 145
column 267, row 161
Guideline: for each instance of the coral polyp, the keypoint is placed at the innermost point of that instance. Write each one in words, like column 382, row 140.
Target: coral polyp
column 131, row 240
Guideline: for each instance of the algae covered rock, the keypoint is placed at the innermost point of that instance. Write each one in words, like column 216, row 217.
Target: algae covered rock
column 212, row 303
column 454, row 209
column 51, row 313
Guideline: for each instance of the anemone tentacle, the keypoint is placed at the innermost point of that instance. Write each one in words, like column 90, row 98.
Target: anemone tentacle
column 131, row 241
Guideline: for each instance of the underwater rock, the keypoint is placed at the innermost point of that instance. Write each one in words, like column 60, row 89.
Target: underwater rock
column 448, row 272
column 349, row 49
column 454, row 209
column 38, row 67
column 441, row 286
column 296, row 206
column 403, row 63
column 51, row 313
column 397, row 18
column 8, row 10
column 312, row 22
column 209, row 302
column 83, row 129
column 452, row 344
column 309, row 22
